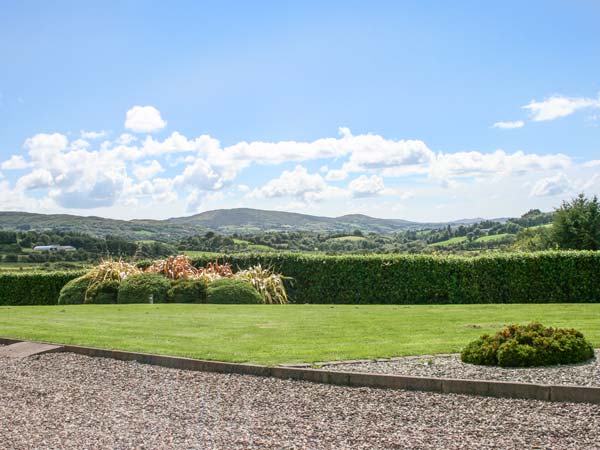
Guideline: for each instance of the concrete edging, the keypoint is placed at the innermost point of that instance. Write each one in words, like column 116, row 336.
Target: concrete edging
column 499, row 389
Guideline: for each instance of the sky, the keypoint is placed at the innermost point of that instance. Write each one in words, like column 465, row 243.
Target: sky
column 418, row 110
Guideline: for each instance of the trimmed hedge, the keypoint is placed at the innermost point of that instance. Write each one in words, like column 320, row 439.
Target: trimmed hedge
column 33, row 288
column 544, row 277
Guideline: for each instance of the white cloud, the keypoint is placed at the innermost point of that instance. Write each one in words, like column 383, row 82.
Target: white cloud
column 91, row 135
column 44, row 147
column 365, row 186
column 144, row 119
column 509, row 124
column 16, row 162
column 102, row 191
column 147, row 170
column 125, row 139
column 550, row 186
column 79, row 144
column 292, row 183
column 498, row 164
column 118, row 173
column 200, row 176
column 336, row 175
column 559, row 106
column 593, row 163
column 38, row 179
column 370, row 151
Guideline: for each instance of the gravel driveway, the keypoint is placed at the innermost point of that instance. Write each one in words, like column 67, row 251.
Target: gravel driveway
column 67, row 401
column 450, row 366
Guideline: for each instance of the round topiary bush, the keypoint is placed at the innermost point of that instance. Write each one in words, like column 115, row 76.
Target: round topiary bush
column 73, row 293
column 528, row 346
column 187, row 291
column 232, row 290
column 103, row 293
column 143, row 288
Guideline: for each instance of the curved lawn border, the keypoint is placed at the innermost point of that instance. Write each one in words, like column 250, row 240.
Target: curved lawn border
column 578, row 394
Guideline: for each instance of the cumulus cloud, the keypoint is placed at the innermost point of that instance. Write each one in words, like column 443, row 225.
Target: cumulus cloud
column 550, row 186
column 365, row 186
column 336, row 175
column 144, row 119
column 509, row 125
column 200, row 176
column 15, row 162
column 368, row 152
column 91, row 172
column 125, row 139
column 38, row 179
column 593, row 163
column 475, row 164
column 44, row 148
column 292, row 183
column 103, row 191
column 79, row 144
column 91, row 135
column 558, row 106
column 147, row 170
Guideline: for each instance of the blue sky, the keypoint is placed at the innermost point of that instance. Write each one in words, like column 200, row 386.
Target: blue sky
column 420, row 110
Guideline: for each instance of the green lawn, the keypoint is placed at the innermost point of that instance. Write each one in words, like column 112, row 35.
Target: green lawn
column 451, row 241
column 348, row 238
column 291, row 333
column 494, row 237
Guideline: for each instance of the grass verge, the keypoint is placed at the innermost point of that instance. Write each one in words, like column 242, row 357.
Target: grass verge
column 272, row 334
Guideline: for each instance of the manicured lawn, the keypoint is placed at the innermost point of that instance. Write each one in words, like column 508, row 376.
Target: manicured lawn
column 291, row 333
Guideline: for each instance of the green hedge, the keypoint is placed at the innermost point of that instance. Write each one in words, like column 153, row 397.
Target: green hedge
column 33, row 288
column 544, row 277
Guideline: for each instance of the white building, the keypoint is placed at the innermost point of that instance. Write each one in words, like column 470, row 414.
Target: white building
column 54, row 248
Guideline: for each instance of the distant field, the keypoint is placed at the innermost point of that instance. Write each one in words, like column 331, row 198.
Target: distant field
column 199, row 254
column 451, row 241
column 12, row 267
column 546, row 225
column 494, row 237
column 348, row 238
column 272, row 334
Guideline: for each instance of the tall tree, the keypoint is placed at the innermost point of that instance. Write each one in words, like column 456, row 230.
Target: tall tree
column 577, row 224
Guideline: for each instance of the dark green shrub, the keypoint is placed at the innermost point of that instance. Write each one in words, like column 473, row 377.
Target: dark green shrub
column 105, row 292
column 73, row 293
column 232, row 290
column 528, row 346
column 187, row 291
column 143, row 288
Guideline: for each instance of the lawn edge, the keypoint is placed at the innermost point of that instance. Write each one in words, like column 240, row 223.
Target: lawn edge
column 498, row 389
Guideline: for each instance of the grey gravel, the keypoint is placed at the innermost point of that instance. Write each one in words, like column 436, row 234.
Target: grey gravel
column 68, row 401
column 450, row 366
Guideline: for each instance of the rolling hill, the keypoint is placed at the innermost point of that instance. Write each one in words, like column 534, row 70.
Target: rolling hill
column 227, row 221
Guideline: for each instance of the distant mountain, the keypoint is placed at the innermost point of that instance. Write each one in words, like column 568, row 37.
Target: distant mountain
column 237, row 220
column 246, row 220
